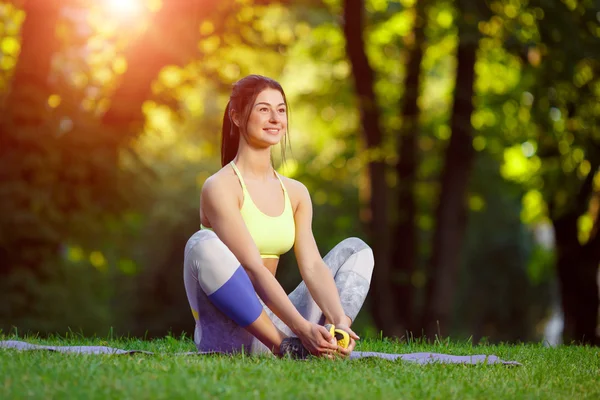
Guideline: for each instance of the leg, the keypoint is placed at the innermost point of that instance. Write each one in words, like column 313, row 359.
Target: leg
column 223, row 301
column 351, row 264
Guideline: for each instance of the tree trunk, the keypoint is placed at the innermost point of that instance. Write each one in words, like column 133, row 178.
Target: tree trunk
column 405, row 247
column 29, row 90
column 451, row 214
column 587, row 327
column 380, row 294
column 577, row 268
column 23, row 136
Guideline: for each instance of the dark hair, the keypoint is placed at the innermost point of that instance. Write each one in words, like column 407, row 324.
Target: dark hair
column 242, row 99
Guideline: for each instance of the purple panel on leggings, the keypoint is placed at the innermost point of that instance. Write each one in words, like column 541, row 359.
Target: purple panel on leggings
column 237, row 299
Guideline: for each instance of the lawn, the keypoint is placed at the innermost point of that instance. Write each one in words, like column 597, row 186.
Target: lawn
column 562, row 372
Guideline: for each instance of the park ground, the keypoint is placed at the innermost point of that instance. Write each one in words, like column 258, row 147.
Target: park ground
column 565, row 372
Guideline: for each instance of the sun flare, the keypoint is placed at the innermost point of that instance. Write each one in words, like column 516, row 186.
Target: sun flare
column 124, row 8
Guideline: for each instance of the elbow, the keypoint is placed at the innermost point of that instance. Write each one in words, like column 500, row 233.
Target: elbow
column 313, row 271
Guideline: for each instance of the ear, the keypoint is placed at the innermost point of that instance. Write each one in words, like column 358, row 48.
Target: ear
column 235, row 117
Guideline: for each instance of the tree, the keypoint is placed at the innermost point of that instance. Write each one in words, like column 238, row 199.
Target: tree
column 363, row 75
column 24, row 143
column 564, row 111
column 405, row 255
column 451, row 211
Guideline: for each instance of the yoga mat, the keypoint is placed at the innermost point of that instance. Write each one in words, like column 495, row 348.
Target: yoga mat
column 419, row 358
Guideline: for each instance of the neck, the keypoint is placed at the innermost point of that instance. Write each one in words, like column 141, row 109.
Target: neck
column 255, row 163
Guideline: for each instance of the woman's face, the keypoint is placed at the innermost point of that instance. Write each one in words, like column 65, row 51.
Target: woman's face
column 268, row 119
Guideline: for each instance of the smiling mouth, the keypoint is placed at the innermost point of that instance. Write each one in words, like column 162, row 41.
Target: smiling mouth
column 271, row 130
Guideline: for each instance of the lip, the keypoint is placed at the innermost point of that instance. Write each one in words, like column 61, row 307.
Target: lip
column 272, row 131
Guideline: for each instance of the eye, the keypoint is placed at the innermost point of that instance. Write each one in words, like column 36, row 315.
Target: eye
column 263, row 109
column 282, row 110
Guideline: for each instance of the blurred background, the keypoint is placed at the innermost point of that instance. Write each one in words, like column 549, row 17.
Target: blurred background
column 459, row 138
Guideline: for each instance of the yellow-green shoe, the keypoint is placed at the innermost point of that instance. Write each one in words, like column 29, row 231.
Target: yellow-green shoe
column 342, row 337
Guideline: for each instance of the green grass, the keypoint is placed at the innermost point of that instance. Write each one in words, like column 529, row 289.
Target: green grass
column 563, row 372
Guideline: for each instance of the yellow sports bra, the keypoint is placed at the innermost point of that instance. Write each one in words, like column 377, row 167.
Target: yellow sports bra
column 273, row 235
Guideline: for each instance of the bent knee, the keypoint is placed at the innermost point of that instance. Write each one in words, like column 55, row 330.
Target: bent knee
column 356, row 244
column 365, row 261
column 210, row 260
column 199, row 243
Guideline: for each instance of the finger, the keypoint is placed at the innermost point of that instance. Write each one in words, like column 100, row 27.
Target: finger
column 352, row 345
column 328, row 343
column 352, row 334
column 331, row 345
column 344, row 351
column 327, row 352
column 314, row 349
column 331, row 353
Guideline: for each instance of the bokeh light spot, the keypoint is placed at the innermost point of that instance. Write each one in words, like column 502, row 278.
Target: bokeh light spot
column 54, row 100
column 528, row 149
column 476, row 202
column 534, row 207
column 11, row 46
column 124, row 8
column 479, row 143
column 444, row 18
column 584, row 168
column 555, row 114
column 75, row 254
column 119, row 65
column 98, row 261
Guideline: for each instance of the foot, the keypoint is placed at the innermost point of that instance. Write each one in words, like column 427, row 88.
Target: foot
column 293, row 347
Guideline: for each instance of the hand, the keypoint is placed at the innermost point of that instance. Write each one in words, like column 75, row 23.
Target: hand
column 345, row 352
column 317, row 340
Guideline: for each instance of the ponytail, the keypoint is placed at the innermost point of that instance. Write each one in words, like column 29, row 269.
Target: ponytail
column 230, row 139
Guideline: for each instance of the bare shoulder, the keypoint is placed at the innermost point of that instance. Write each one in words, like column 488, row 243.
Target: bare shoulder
column 297, row 191
column 293, row 186
column 222, row 183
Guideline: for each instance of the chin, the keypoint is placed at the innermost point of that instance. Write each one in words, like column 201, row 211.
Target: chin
column 265, row 139
column 272, row 140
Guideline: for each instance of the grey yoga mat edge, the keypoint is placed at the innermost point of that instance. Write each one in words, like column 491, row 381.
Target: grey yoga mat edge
column 419, row 358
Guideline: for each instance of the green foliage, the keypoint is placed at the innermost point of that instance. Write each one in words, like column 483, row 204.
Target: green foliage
column 63, row 297
column 504, row 272
column 557, row 112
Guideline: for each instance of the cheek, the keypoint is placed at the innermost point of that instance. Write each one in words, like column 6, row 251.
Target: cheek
column 252, row 123
column 255, row 119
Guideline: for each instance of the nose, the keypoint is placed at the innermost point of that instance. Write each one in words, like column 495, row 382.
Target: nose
column 274, row 116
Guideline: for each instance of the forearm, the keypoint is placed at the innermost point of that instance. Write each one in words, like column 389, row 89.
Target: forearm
column 273, row 295
column 322, row 288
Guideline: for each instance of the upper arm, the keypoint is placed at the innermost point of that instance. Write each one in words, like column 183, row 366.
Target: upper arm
column 305, row 247
column 221, row 208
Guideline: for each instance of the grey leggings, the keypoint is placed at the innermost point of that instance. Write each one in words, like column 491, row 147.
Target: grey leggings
column 208, row 263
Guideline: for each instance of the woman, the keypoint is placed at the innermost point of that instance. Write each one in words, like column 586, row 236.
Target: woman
column 249, row 216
